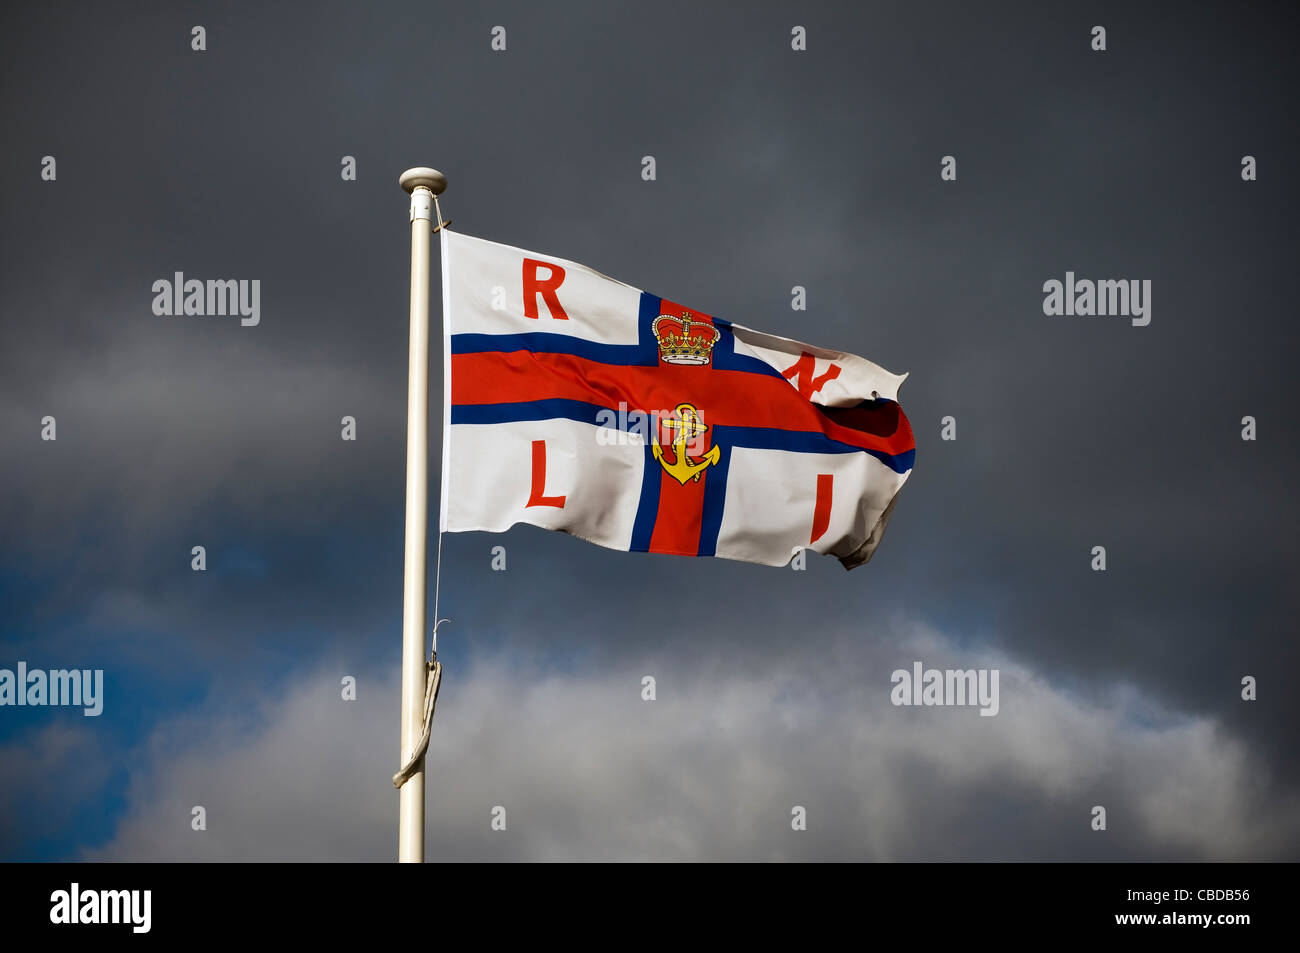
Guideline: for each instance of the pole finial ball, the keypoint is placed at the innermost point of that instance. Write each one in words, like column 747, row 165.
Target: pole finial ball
column 431, row 179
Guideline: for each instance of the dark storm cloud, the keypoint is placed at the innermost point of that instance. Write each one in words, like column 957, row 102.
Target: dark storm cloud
column 775, row 169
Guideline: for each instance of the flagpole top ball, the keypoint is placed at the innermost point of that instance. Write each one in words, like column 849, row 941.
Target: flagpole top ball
column 431, row 179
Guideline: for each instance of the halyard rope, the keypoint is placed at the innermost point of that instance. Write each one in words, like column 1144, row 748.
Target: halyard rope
column 432, row 682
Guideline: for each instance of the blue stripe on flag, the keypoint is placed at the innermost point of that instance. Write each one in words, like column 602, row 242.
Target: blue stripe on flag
column 725, row 357
column 647, row 509
column 542, row 342
column 804, row 441
column 556, row 408
column 759, row 438
column 650, row 305
column 715, row 497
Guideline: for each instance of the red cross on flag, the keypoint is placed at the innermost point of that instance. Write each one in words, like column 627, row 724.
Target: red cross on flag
column 578, row 403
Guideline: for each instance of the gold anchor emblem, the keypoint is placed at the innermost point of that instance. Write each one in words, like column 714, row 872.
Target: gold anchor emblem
column 688, row 426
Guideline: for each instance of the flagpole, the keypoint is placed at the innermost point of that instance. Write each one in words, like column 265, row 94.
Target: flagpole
column 422, row 184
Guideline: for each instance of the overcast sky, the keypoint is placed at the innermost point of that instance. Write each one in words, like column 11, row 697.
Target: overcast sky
column 775, row 168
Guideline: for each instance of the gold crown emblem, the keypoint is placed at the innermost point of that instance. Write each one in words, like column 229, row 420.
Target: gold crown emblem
column 683, row 341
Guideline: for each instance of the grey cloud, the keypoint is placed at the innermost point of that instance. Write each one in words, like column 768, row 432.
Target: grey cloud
column 711, row 770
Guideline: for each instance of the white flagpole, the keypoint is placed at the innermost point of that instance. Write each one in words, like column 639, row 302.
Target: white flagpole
column 422, row 184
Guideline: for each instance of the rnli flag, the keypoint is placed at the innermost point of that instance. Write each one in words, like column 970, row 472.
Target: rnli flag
column 577, row 403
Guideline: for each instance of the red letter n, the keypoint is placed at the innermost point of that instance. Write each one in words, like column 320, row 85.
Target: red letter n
column 533, row 286
column 537, row 496
column 802, row 371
